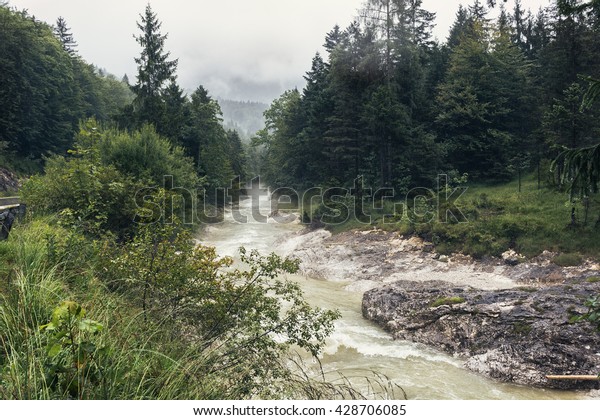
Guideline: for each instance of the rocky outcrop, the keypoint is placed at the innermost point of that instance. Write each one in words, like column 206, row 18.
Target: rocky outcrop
column 518, row 335
column 8, row 181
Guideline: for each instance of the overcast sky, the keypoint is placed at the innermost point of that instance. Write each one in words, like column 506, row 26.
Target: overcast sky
column 238, row 49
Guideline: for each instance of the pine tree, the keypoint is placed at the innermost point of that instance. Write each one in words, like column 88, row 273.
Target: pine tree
column 332, row 39
column 206, row 141
column 155, row 71
column 175, row 112
column 64, row 34
column 459, row 27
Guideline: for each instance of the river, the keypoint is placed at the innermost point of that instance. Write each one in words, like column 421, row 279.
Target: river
column 358, row 348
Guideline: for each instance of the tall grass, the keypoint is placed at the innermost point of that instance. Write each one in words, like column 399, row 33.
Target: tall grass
column 130, row 357
column 31, row 290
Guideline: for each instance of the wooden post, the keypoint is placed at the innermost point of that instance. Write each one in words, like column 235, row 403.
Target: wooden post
column 572, row 377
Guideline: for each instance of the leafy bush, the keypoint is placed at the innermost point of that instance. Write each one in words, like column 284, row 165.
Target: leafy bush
column 209, row 331
column 142, row 155
column 234, row 314
column 73, row 359
column 96, row 188
column 567, row 260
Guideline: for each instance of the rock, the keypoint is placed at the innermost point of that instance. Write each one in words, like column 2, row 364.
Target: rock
column 8, row 181
column 510, row 257
column 428, row 247
column 517, row 335
column 7, row 218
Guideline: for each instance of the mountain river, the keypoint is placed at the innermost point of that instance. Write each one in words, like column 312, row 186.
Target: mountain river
column 358, row 348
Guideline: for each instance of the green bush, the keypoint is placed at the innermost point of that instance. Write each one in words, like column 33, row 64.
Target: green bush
column 96, row 188
column 208, row 331
column 567, row 260
column 142, row 155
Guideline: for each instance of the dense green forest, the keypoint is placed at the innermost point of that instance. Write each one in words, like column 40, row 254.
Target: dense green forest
column 387, row 103
column 47, row 89
column 244, row 117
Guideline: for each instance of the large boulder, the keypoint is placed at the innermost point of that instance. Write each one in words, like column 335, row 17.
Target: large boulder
column 519, row 335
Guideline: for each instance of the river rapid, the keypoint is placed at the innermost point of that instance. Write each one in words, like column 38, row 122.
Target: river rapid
column 358, row 348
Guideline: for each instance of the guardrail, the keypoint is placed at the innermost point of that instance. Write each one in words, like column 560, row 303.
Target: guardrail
column 11, row 209
column 10, row 201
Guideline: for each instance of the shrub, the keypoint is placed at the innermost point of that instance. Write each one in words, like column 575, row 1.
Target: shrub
column 95, row 188
column 234, row 314
column 568, row 260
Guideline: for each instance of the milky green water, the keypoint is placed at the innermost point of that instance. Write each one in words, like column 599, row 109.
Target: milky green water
column 358, row 348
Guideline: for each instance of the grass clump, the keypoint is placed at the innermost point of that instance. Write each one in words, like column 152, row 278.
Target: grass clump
column 521, row 328
column 454, row 300
column 568, row 260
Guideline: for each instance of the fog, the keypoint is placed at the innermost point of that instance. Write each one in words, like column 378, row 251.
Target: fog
column 238, row 49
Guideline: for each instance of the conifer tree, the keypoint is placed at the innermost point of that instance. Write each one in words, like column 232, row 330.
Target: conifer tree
column 155, row 71
column 64, row 34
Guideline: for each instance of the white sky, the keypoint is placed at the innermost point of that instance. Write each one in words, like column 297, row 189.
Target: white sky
column 237, row 49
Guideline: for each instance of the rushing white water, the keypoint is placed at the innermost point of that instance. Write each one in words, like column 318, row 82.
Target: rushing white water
column 358, row 348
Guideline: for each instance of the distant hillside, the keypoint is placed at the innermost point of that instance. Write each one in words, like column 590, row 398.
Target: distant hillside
column 245, row 117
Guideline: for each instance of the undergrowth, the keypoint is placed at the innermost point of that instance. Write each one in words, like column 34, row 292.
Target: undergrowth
column 72, row 325
column 497, row 217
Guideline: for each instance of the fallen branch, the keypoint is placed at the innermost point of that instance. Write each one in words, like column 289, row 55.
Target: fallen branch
column 572, row 377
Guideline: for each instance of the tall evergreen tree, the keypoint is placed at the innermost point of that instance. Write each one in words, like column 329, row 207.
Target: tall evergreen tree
column 483, row 103
column 206, row 141
column 64, row 34
column 459, row 27
column 176, row 112
column 155, row 71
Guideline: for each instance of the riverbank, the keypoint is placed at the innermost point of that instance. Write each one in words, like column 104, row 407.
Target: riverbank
column 510, row 320
column 371, row 258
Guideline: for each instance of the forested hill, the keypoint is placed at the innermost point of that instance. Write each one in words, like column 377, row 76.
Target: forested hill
column 386, row 102
column 46, row 88
column 244, row 117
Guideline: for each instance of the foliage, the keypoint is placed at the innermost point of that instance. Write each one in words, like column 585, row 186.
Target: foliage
column 73, row 357
column 207, row 142
column 45, row 89
column 229, row 336
column 62, row 32
column 593, row 314
column 580, row 170
column 155, row 70
column 568, row 260
column 96, row 188
column 170, row 276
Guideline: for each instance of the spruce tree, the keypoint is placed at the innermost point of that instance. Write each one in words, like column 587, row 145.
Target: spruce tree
column 64, row 34
column 155, row 71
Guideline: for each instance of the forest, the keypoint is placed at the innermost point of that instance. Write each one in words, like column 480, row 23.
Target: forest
column 501, row 97
column 104, row 292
